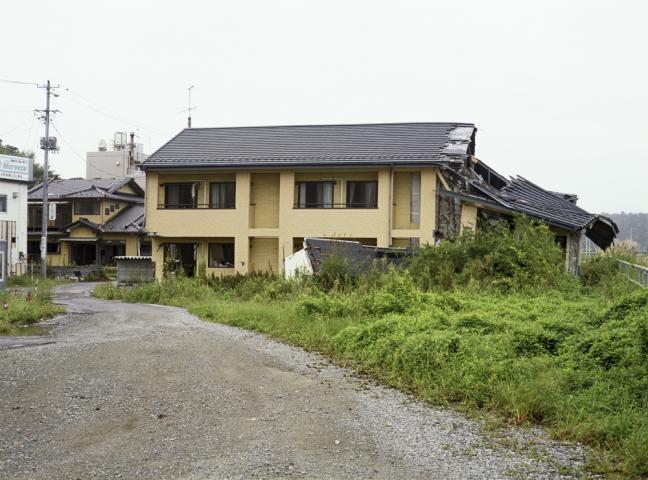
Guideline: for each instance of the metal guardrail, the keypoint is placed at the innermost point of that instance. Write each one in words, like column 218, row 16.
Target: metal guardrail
column 635, row 273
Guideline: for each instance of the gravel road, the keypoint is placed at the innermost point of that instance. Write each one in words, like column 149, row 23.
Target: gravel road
column 144, row 391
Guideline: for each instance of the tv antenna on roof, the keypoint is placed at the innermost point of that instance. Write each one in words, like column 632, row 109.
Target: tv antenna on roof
column 188, row 110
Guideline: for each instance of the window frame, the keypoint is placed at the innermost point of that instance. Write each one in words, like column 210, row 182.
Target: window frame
column 179, row 206
column 219, row 206
column 4, row 203
column 95, row 203
column 306, row 204
column 373, row 205
column 211, row 264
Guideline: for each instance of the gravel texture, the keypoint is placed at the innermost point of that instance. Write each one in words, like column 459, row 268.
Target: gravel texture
column 145, row 391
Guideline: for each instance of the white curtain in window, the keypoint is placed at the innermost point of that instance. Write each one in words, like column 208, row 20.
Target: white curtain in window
column 327, row 195
column 301, row 201
column 371, row 194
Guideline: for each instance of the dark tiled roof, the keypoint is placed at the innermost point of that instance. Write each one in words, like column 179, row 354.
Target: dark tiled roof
column 83, row 222
column 84, row 188
column 521, row 195
column 129, row 220
column 304, row 145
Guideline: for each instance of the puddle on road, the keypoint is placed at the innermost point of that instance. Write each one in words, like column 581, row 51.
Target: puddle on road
column 28, row 331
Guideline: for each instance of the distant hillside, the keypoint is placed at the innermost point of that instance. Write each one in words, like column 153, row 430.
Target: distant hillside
column 632, row 226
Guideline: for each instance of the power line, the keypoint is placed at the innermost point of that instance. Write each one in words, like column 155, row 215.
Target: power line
column 94, row 106
column 7, row 132
column 29, row 134
column 18, row 82
column 69, row 145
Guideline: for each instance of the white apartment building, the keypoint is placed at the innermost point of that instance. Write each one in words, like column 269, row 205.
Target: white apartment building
column 121, row 160
column 15, row 175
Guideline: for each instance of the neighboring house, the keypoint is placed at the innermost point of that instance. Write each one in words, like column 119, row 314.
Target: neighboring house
column 243, row 199
column 91, row 221
column 15, row 175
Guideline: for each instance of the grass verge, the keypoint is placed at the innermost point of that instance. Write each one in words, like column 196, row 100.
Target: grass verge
column 25, row 307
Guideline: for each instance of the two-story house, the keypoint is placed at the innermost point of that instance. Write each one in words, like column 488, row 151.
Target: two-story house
column 90, row 221
column 243, row 199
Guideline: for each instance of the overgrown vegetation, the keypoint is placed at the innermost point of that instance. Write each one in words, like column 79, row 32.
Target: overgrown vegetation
column 25, row 307
column 489, row 322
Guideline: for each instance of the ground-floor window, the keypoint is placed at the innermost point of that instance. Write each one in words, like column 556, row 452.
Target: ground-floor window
column 180, row 255
column 221, row 255
column 145, row 249
column 33, row 247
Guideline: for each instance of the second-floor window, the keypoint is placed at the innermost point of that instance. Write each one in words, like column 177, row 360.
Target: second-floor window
column 3, row 203
column 86, row 208
column 222, row 195
column 180, row 195
column 315, row 194
column 362, row 194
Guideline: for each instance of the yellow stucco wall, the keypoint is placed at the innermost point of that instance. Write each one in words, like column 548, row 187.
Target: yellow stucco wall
column 264, row 200
column 82, row 232
column 130, row 240
column 127, row 189
column 61, row 259
column 275, row 196
column 468, row 217
column 401, row 242
column 403, row 200
column 264, row 254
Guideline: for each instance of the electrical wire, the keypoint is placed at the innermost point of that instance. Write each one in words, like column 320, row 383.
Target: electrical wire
column 94, row 106
column 111, row 175
column 18, row 82
column 29, row 134
column 13, row 129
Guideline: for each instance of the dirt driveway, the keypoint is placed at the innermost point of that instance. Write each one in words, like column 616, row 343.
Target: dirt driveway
column 143, row 391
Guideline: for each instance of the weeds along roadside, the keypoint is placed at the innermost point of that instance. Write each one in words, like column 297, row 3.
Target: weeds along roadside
column 26, row 306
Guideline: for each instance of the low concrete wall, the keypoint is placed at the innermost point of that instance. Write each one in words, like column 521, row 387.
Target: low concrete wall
column 77, row 271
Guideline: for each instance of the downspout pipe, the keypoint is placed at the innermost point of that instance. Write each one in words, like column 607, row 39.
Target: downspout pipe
column 390, row 205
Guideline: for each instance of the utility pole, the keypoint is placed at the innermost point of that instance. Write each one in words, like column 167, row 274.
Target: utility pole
column 46, row 144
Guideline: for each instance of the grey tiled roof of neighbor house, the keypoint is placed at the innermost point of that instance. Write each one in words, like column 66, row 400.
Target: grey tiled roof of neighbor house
column 313, row 145
column 129, row 220
column 84, row 188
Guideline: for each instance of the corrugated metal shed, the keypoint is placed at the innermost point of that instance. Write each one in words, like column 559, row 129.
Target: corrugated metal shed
column 307, row 145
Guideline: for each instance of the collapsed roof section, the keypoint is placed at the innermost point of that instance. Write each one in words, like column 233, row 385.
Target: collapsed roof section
column 363, row 258
column 517, row 194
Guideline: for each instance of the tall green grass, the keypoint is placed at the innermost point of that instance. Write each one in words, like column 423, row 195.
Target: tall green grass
column 25, row 307
column 489, row 324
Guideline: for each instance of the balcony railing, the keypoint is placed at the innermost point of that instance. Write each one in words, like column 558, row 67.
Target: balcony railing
column 334, row 205
column 195, row 206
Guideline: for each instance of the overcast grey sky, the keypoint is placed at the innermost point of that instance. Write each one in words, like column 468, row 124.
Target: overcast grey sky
column 557, row 89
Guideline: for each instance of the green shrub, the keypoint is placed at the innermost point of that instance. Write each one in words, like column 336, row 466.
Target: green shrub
column 27, row 307
column 523, row 258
